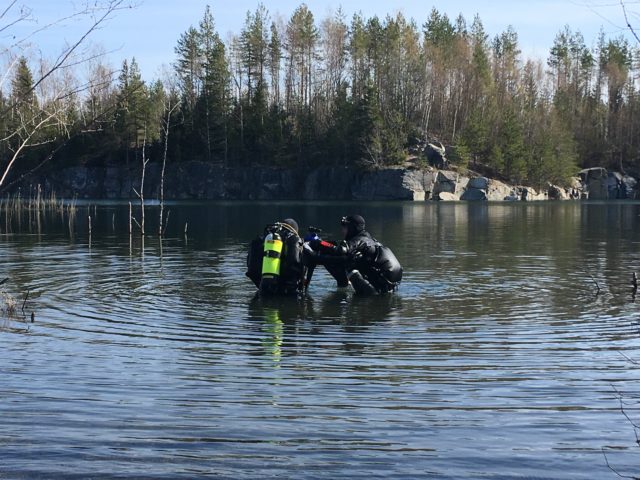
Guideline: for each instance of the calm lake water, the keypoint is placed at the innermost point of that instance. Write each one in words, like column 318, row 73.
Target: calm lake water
column 495, row 360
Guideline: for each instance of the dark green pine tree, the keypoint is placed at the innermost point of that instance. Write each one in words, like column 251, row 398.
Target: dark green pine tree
column 23, row 97
column 122, row 107
column 213, row 105
column 273, row 63
column 340, row 135
column 255, row 54
column 254, row 39
column 22, row 89
column 368, row 129
column 481, row 76
column 139, row 106
column 512, row 146
column 188, row 68
column 476, row 136
column 132, row 111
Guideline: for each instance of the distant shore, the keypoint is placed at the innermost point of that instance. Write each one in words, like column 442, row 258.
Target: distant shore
column 204, row 181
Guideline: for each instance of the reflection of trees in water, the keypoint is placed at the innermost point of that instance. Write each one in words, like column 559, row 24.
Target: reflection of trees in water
column 525, row 253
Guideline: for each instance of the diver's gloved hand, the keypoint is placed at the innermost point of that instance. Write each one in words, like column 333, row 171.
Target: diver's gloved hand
column 313, row 244
column 357, row 255
column 360, row 254
column 323, row 247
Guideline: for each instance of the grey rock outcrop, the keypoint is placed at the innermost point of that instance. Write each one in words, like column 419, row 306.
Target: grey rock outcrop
column 447, row 181
column 599, row 184
column 529, row 194
column 390, row 184
column 558, row 193
column 198, row 180
column 630, row 186
column 482, row 188
column 499, row 191
column 594, row 181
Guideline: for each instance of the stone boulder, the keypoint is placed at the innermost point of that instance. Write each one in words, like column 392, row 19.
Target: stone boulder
column 630, row 185
column 595, row 183
column 429, row 183
column 436, row 155
column 445, row 182
column 556, row 192
column 447, row 197
column 614, row 182
column 512, row 197
column 498, row 191
column 576, row 189
column 419, row 183
column 530, row 194
column 600, row 184
column 448, row 181
column 620, row 186
column 481, row 183
column 474, row 195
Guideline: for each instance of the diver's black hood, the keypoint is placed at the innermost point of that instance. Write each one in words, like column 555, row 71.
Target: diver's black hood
column 292, row 223
column 355, row 224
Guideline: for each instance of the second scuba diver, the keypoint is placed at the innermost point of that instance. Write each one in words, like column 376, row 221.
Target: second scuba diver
column 274, row 261
column 359, row 259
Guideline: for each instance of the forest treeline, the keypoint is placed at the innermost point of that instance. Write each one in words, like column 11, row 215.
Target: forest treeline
column 353, row 91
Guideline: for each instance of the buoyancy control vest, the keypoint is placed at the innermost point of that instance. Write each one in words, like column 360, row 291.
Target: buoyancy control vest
column 274, row 262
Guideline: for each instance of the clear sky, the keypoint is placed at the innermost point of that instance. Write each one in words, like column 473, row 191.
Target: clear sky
column 150, row 31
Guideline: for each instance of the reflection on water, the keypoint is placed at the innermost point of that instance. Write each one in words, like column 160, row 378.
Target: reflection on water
column 495, row 360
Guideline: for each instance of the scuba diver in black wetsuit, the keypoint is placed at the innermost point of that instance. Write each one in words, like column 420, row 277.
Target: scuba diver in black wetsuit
column 274, row 261
column 359, row 259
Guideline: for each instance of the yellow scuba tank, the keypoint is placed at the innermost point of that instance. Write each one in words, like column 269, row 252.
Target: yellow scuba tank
column 271, row 261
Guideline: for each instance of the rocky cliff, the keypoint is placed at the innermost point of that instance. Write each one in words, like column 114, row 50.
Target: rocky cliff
column 202, row 181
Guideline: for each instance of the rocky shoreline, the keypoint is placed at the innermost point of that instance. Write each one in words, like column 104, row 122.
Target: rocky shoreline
column 202, row 181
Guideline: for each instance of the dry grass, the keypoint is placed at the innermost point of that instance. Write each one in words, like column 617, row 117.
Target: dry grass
column 9, row 303
column 10, row 318
column 19, row 213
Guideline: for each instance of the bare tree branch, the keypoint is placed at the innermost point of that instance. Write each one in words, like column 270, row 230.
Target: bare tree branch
column 626, row 19
column 24, row 14
column 9, row 7
column 616, row 471
column 630, row 360
column 110, row 7
column 92, row 122
column 23, row 145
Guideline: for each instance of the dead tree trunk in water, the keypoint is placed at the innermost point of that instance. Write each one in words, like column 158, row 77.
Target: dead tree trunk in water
column 162, row 227
column 140, row 194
